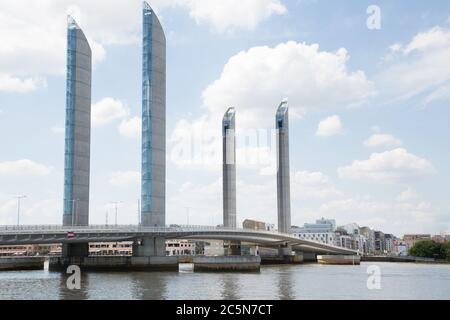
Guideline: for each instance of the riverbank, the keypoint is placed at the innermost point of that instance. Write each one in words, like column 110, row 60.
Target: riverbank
column 407, row 259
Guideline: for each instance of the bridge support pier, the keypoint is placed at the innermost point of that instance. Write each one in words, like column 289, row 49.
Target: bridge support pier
column 285, row 256
column 150, row 247
column 75, row 250
column 232, row 248
column 309, row 257
column 285, row 250
column 149, row 254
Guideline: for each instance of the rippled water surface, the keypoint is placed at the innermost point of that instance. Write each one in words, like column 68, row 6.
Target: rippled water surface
column 309, row 281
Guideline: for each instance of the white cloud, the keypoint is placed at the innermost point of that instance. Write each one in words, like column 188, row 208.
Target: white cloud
column 311, row 185
column 420, row 67
column 256, row 199
column 230, row 15
column 396, row 166
column 255, row 81
column 442, row 93
column 14, row 84
column 107, row 110
column 34, row 39
column 389, row 216
column 33, row 211
column 385, row 140
column 125, row 179
column 434, row 38
column 407, row 195
column 23, row 167
column 33, row 33
column 131, row 128
column 330, row 126
column 203, row 201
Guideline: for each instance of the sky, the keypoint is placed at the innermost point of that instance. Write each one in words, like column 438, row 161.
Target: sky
column 368, row 84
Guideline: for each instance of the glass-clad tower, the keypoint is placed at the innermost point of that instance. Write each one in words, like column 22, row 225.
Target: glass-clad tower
column 77, row 127
column 229, row 169
column 283, row 181
column 153, row 174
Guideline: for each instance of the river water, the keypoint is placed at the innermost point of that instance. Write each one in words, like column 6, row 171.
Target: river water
column 308, row 281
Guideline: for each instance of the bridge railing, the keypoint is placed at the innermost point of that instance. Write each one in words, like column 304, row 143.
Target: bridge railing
column 126, row 228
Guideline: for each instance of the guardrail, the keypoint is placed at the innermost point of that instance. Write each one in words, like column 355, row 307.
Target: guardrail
column 129, row 228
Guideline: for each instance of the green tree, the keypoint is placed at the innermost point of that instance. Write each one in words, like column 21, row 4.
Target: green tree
column 427, row 249
column 446, row 251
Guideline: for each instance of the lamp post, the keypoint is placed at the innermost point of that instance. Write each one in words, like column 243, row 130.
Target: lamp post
column 18, row 207
column 116, row 203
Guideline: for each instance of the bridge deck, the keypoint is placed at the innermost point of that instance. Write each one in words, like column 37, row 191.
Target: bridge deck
column 16, row 235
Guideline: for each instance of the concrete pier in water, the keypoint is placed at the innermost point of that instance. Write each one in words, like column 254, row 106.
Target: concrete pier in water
column 21, row 263
column 119, row 263
column 227, row 264
column 282, row 259
column 339, row 259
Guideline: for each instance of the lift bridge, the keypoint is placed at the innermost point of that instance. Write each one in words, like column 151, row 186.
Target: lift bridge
column 52, row 234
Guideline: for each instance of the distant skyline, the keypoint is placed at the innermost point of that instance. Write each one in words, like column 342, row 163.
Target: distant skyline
column 368, row 109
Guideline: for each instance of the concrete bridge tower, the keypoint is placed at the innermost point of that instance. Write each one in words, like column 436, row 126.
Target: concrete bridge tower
column 77, row 134
column 283, row 180
column 229, row 169
column 78, row 128
column 153, row 157
column 229, row 178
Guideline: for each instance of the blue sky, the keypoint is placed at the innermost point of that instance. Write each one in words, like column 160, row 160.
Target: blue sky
column 369, row 108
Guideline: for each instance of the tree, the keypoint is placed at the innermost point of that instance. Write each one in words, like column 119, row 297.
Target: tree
column 446, row 250
column 427, row 249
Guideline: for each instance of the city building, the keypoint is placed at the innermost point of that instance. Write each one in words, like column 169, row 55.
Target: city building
column 412, row 239
column 344, row 240
column 95, row 249
column 111, row 248
column 400, row 248
column 153, row 174
column 440, row 238
column 351, row 228
column 349, row 236
column 388, row 243
column 256, row 225
column 283, row 173
column 229, row 169
column 180, row 247
column 369, row 235
column 379, row 242
column 321, row 231
column 78, row 127
column 30, row 250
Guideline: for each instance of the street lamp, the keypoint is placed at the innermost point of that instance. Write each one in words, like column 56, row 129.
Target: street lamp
column 116, row 203
column 18, row 207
